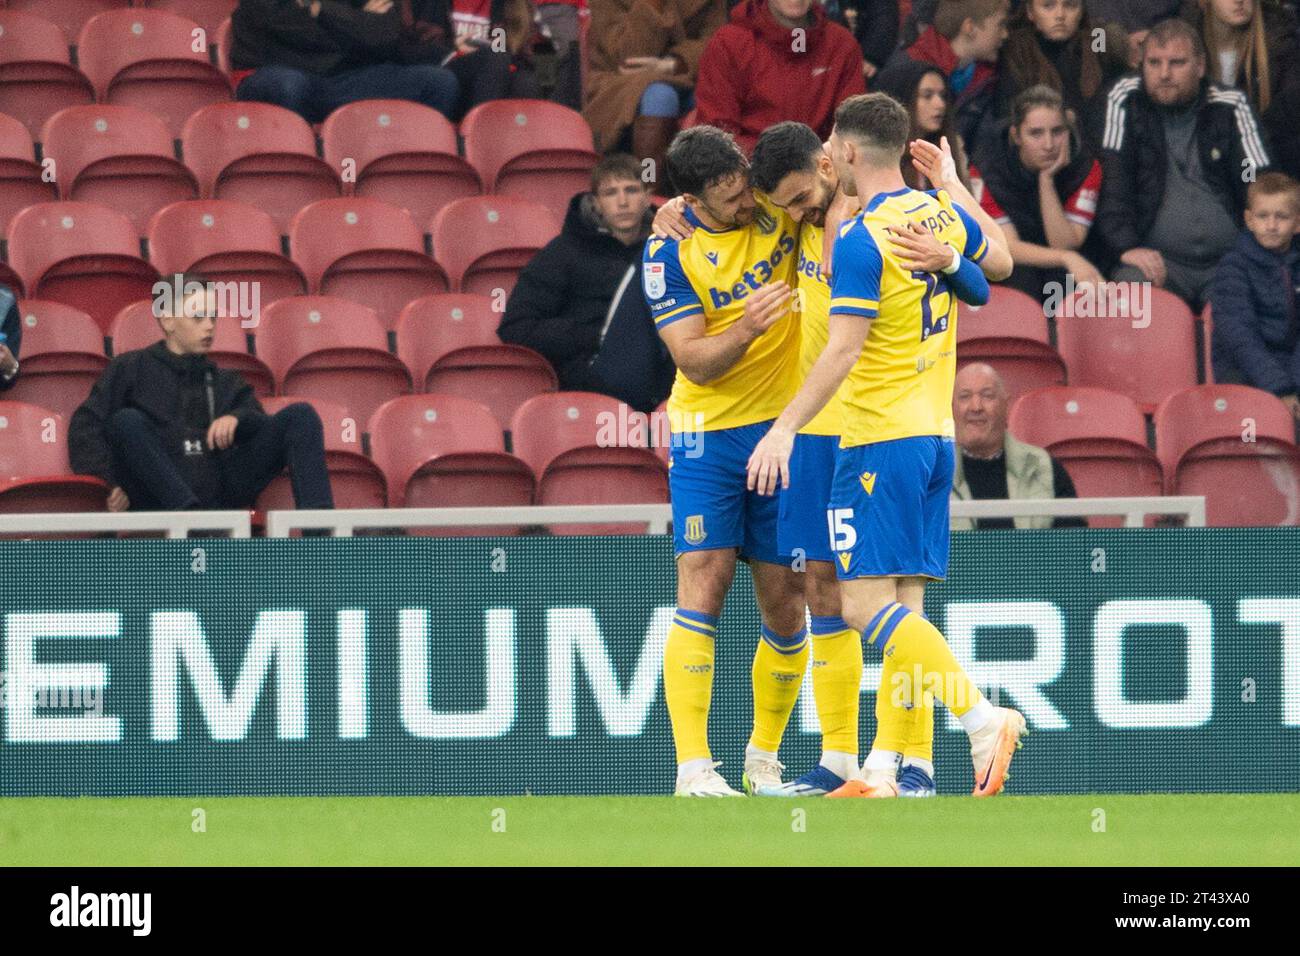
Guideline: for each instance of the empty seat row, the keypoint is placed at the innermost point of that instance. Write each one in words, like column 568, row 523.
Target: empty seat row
column 153, row 59
column 1147, row 357
column 426, row 451
column 69, row 16
column 1234, row 445
column 305, row 346
column 395, row 150
column 87, row 256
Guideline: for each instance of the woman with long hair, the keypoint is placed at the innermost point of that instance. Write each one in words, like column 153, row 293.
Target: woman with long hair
column 1041, row 188
column 1253, row 47
column 1052, row 43
column 922, row 88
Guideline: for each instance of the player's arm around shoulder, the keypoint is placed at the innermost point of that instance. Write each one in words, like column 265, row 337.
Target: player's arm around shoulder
column 704, row 358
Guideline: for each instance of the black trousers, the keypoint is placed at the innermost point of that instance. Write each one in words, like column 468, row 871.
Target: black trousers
column 292, row 437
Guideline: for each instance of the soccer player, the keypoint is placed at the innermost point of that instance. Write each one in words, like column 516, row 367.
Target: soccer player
column 721, row 303
column 893, row 341
column 791, row 165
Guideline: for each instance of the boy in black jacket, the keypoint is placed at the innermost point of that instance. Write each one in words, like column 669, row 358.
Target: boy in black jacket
column 169, row 431
column 577, row 302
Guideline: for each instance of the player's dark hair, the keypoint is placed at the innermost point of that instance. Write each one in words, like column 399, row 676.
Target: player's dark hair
column 783, row 149
column 875, row 120
column 616, row 166
column 701, row 156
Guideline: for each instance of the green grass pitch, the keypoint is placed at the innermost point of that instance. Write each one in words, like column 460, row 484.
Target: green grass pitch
column 1165, row 829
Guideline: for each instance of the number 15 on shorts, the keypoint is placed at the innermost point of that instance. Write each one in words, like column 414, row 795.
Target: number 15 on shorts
column 843, row 537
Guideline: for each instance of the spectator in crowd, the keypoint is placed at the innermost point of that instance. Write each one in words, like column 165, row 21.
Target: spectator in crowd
column 757, row 70
column 1256, row 329
column 11, row 337
column 1052, row 43
column 1041, row 187
column 993, row 464
column 169, row 431
column 1254, row 48
column 487, row 66
column 565, row 301
column 921, row 87
column 963, row 42
column 1134, row 17
column 1177, row 153
column 874, row 24
column 313, row 56
column 643, row 57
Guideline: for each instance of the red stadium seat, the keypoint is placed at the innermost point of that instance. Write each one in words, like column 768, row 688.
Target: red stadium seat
column 1010, row 333
column 355, row 480
column 450, row 344
column 483, row 242
column 441, row 451
column 146, row 58
column 206, row 13
column 401, row 152
column 661, row 432
column 260, row 154
column 136, row 328
column 62, row 357
column 326, row 347
column 223, row 46
column 34, row 472
column 36, row 77
column 68, row 15
column 224, row 241
column 1100, row 438
column 530, row 149
column 81, row 254
column 119, row 156
column 1147, row 362
column 1236, row 446
column 364, row 250
column 567, row 438
column 20, row 176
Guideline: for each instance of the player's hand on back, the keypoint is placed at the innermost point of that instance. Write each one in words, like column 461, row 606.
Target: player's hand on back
column 765, row 307
column 918, row 249
column 670, row 220
column 770, row 461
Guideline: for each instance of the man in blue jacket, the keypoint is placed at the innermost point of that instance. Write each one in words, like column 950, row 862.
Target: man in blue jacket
column 1256, row 329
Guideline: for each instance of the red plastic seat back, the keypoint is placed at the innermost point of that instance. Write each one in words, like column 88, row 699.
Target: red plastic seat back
column 484, row 242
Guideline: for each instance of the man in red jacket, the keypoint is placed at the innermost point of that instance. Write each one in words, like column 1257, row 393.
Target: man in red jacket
column 776, row 60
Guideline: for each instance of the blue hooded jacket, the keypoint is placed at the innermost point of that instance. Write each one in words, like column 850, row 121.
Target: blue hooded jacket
column 1256, row 329
column 12, row 327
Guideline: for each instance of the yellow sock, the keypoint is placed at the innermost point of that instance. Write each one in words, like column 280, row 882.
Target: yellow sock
column 893, row 718
column 913, row 646
column 837, row 682
column 688, row 681
column 779, row 665
column 919, row 743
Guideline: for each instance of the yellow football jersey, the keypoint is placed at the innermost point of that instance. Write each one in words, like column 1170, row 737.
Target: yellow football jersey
column 814, row 303
column 712, row 273
column 901, row 385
